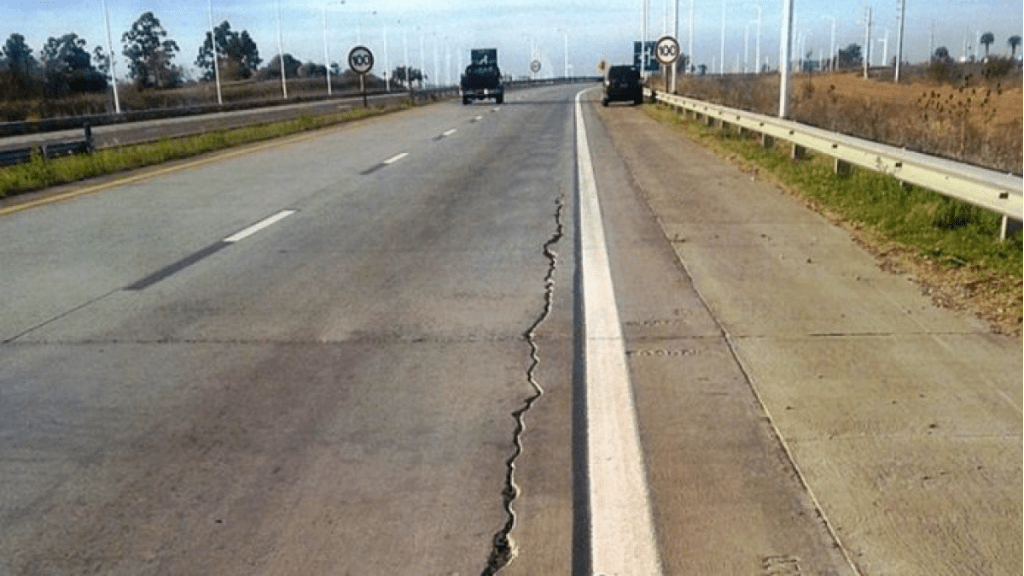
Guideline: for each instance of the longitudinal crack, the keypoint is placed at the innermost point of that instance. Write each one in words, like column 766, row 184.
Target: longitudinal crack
column 503, row 549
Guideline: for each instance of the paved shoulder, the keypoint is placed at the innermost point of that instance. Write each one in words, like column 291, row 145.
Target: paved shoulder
column 802, row 410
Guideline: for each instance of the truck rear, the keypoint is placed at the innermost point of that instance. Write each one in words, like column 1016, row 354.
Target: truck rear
column 482, row 79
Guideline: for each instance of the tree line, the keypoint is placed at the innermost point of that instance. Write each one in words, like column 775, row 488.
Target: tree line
column 65, row 67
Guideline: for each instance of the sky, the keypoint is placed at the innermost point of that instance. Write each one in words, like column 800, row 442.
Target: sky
column 436, row 36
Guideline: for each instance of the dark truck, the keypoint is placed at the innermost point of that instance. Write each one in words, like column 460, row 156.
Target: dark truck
column 482, row 78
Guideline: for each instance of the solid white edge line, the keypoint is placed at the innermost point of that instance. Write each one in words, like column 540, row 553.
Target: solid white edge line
column 238, row 236
column 395, row 158
column 622, row 537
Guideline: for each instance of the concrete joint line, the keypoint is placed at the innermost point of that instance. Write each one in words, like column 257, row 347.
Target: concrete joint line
column 503, row 549
column 621, row 531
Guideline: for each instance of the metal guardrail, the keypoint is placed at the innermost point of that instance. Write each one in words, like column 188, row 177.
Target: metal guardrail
column 49, row 150
column 989, row 189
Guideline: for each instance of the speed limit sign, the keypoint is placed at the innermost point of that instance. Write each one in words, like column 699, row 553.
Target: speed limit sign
column 666, row 50
column 360, row 60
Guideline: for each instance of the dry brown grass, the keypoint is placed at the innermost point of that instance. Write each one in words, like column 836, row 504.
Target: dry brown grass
column 975, row 121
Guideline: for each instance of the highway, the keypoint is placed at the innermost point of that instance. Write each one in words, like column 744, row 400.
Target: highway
column 431, row 341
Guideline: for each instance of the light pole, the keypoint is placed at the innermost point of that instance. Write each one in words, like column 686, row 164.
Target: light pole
column 645, row 7
column 437, row 68
column 565, row 57
column 675, row 34
column 867, row 43
column 405, row 57
column 757, row 45
column 327, row 52
column 832, row 53
column 280, row 53
column 110, row 48
column 565, row 52
column 885, row 48
column 387, row 60
column 690, row 38
column 804, row 35
column 422, row 64
column 746, row 45
column 785, row 45
column 384, row 39
column 899, row 41
column 721, row 69
column 213, row 46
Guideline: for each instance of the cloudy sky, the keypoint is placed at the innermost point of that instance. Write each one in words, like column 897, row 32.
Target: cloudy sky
column 438, row 35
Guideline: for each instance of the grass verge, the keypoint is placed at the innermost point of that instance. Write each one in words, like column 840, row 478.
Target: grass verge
column 41, row 173
column 951, row 248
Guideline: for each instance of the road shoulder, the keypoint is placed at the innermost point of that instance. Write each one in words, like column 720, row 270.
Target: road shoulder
column 902, row 419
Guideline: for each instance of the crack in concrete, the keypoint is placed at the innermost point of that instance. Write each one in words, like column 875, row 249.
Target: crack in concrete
column 503, row 549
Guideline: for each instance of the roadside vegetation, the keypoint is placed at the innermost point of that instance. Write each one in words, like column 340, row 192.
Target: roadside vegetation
column 951, row 248
column 970, row 112
column 41, row 173
column 67, row 79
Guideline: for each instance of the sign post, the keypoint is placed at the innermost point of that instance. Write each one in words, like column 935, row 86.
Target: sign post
column 360, row 60
column 667, row 52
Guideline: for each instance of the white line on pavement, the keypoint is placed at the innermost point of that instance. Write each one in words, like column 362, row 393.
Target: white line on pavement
column 622, row 537
column 238, row 236
column 449, row 132
column 395, row 158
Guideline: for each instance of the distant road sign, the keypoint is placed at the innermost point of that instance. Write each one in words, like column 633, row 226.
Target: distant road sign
column 535, row 66
column 360, row 60
column 666, row 50
column 483, row 56
column 643, row 56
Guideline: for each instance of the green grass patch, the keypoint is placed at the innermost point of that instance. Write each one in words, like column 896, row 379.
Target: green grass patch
column 41, row 173
column 940, row 229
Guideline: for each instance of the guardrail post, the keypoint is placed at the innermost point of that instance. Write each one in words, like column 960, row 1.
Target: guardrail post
column 767, row 141
column 797, row 152
column 1008, row 226
column 841, row 168
column 89, row 144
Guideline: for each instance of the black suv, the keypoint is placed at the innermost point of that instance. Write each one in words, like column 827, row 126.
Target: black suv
column 622, row 83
